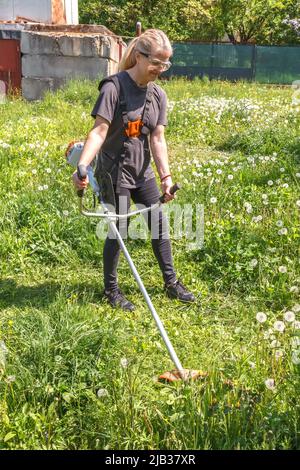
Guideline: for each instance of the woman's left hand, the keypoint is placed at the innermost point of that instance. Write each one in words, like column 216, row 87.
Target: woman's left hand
column 166, row 185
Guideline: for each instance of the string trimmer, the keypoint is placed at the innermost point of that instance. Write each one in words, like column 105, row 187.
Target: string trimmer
column 82, row 171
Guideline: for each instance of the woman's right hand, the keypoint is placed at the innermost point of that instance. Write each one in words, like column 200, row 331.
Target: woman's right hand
column 78, row 183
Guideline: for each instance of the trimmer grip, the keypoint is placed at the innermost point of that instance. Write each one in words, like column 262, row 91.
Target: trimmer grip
column 173, row 190
column 82, row 174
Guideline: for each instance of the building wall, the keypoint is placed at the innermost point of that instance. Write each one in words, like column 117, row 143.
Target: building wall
column 50, row 58
column 49, row 55
column 43, row 11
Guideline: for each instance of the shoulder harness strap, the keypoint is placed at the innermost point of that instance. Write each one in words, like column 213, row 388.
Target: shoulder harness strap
column 115, row 79
column 145, row 115
column 119, row 160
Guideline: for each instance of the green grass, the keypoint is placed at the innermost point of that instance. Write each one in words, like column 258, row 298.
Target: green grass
column 62, row 382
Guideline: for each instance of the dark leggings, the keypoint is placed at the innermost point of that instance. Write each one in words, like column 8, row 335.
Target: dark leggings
column 147, row 195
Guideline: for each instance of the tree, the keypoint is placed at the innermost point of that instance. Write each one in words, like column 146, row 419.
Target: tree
column 259, row 21
column 180, row 19
column 243, row 21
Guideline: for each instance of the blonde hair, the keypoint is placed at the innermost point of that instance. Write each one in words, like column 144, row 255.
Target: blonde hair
column 144, row 43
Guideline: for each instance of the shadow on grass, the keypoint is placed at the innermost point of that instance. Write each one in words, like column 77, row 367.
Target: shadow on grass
column 42, row 295
column 17, row 295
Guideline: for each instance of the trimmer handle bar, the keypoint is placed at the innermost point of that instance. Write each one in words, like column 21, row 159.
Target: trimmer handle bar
column 173, row 190
column 82, row 174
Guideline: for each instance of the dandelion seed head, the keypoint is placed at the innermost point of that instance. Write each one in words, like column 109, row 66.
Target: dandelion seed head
column 124, row 362
column 248, row 207
column 295, row 342
column 296, row 357
column 282, row 269
column 102, row 392
column 261, row 317
column 11, row 378
column 270, row 384
column 3, row 348
column 279, row 353
column 289, row 316
column 296, row 325
column 279, row 326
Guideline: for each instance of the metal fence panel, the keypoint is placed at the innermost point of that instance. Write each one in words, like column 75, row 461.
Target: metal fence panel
column 277, row 64
column 265, row 64
column 192, row 55
column 233, row 56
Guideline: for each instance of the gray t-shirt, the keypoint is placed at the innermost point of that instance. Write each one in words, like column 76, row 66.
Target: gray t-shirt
column 136, row 169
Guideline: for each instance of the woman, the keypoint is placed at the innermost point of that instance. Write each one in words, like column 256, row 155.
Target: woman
column 126, row 121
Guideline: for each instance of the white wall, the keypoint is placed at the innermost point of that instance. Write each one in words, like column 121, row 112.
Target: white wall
column 6, row 9
column 71, row 9
column 37, row 10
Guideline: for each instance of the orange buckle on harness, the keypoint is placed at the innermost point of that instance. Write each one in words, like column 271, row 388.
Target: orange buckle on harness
column 134, row 128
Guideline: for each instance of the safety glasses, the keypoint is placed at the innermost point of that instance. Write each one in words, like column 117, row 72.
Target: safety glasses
column 156, row 62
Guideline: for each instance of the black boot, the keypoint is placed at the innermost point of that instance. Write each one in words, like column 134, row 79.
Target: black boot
column 176, row 290
column 117, row 299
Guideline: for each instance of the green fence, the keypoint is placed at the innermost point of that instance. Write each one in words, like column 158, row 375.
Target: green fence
column 264, row 64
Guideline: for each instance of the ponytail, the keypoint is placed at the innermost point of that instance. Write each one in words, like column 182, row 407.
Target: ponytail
column 128, row 60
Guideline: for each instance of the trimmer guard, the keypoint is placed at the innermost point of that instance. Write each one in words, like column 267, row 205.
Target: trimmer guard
column 184, row 374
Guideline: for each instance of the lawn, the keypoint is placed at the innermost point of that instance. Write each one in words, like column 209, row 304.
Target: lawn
column 77, row 374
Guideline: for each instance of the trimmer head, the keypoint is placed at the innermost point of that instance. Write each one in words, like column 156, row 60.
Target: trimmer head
column 184, row 374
